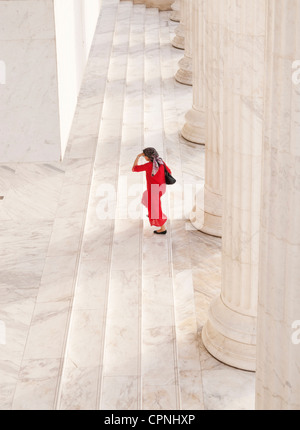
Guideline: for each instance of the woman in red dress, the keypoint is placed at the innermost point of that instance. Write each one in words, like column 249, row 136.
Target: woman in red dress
column 156, row 187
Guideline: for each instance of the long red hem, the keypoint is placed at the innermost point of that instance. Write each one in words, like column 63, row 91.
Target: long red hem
column 157, row 222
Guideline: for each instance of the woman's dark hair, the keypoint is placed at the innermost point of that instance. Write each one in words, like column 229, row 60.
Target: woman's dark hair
column 150, row 153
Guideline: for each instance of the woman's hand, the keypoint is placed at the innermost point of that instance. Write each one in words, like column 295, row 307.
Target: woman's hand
column 137, row 160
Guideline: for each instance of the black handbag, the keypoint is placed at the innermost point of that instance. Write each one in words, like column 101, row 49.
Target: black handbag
column 169, row 178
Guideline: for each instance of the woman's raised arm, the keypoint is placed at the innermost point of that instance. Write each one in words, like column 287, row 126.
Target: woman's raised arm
column 137, row 161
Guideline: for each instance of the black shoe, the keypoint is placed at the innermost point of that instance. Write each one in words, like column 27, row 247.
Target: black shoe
column 162, row 232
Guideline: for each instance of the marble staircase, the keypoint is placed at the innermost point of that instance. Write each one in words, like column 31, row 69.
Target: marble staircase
column 137, row 357
column 109, row 314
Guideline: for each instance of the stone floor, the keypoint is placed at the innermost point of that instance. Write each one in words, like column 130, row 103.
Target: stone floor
column 99, row 313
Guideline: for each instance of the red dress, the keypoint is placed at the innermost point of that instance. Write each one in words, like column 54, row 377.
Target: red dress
column 156, row 188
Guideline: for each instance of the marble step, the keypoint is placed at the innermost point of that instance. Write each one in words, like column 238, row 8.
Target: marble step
column 81, row 381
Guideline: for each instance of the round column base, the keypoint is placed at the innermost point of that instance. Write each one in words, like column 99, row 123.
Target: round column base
column 179, row 42
column 230, row 336
column 206, row 223
column 175, row 16
column 179, row 39
column 185, row 73
column 194, row 128
column 207, row 214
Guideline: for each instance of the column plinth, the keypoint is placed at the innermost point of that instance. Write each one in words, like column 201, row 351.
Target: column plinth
column 185, row 73
column 194, row 128
column 230, row 337
column 205, row 216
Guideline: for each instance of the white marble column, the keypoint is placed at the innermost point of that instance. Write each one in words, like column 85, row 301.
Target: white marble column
column 194, row 128
column 185, row 73
column 179, row 39
column 278, row 346
column 175, row 14
column 207, row 214
column 230, row 332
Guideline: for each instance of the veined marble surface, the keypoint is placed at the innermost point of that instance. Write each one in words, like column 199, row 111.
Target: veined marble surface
column 100, row 314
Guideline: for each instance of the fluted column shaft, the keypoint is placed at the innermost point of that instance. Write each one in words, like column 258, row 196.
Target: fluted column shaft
column 207, row 215
column 278, row 349
column 179, row 39
column 230, row 332
column 194, row 128
column 175, row 14
column 185, row 73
